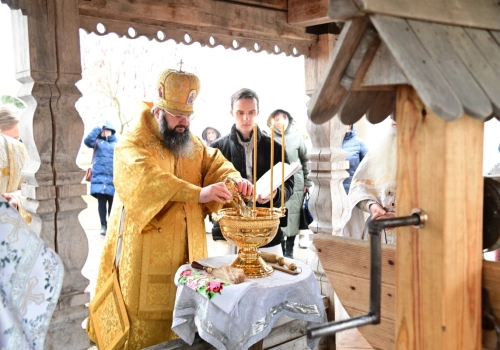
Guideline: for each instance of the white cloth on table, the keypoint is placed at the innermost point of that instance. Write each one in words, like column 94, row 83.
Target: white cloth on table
column 296, row 296
column 228, row 296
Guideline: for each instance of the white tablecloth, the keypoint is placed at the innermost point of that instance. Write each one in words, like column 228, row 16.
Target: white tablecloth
column 280, row 294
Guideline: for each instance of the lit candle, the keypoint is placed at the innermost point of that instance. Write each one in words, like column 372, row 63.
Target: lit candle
column 282, row 166
column 254, row 164
column 272, row 165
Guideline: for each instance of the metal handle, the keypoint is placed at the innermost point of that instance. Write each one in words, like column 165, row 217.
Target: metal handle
column 417, row 219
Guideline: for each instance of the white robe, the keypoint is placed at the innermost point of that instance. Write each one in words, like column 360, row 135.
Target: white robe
column 31, row 277
column 373, row 181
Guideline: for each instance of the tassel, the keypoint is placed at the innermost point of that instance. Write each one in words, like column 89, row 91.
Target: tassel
column 227, row 273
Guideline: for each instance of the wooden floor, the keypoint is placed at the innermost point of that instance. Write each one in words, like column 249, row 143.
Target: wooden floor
column 349, row 339
column 352, row 339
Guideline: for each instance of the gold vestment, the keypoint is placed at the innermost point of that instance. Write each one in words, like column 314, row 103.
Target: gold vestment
column 13, row 158
column 163, row 227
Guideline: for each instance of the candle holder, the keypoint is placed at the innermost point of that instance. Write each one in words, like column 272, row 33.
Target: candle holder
column 250, row 233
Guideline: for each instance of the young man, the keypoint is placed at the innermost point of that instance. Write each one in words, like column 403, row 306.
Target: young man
column 237, row 147
column 167, row 179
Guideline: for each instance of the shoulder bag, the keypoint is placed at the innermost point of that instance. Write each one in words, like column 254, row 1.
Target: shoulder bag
column 88, row 173
column 305, row 215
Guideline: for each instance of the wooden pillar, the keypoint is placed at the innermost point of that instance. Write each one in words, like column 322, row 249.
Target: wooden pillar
column 328, row 169
column 327, row 158
column 438, row 300
column 47, row 56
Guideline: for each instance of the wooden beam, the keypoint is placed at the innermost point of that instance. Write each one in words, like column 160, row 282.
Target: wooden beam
column 438, row 274
column 469, row 13
column 189, row 34
column 365, row 64
column 206, row 16
column 325, row 102
column 316, row 62
column 308, row 13
column 343, row 10
column 273, row 4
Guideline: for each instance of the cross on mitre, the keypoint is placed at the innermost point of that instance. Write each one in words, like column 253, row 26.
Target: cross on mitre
column 180, row 65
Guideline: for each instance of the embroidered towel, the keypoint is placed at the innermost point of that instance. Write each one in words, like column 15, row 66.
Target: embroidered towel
column 223, row 294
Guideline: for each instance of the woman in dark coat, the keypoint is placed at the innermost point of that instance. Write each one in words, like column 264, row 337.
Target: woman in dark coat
column 101, row 185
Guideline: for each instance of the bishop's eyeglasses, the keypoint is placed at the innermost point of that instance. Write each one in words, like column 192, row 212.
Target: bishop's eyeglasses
column 181, row 117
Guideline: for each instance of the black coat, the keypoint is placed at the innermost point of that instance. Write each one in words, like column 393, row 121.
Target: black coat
column 235, row 153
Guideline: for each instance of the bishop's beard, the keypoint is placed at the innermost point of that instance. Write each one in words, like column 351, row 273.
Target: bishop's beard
column 179, row 143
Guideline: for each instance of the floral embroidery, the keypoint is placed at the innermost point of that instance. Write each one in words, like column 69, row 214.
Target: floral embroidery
column 31, row 277
column 203, row 283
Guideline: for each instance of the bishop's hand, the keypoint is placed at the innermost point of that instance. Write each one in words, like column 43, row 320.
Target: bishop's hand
column 217, row 192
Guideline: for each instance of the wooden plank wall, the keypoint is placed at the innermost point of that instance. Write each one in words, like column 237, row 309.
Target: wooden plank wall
column 346, row 262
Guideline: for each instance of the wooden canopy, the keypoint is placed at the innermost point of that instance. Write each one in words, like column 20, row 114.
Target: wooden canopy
column 454, row 68
column 234, row 25
column 363, row 61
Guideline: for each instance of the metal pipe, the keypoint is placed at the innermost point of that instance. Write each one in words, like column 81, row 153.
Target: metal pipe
column 375, row 227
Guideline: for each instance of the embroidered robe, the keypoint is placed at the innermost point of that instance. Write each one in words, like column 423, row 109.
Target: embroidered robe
column 163, row 225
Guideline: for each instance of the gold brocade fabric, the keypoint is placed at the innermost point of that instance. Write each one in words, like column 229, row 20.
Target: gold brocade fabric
column 13, row 158
column 163, row 227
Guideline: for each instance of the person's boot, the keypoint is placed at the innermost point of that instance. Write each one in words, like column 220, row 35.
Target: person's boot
column 104, row 228
column 283, row 245
column 288, row 251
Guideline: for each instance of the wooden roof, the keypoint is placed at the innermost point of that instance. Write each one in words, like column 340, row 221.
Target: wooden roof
column 455, row 69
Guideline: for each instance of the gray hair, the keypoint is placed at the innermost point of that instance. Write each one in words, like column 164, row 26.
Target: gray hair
column 9, row 117
column 162, row 112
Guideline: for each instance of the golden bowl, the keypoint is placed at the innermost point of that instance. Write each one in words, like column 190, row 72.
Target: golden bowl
column 249, row 233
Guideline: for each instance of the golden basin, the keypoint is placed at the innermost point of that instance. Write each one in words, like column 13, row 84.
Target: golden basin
column 249, row 233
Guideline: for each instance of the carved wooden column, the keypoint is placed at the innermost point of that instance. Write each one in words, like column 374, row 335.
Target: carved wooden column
column 328, row 164
column 47, row 56
column 328, row 168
